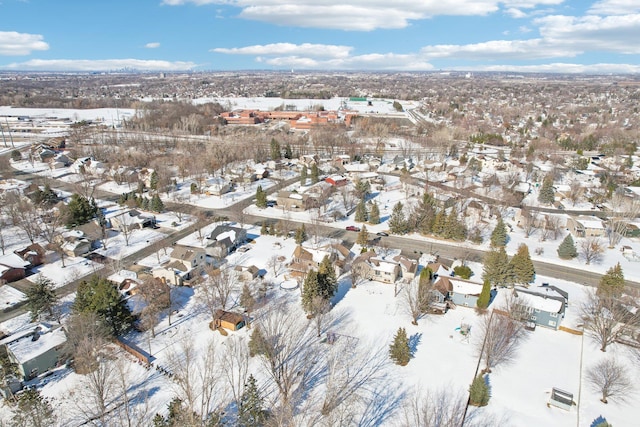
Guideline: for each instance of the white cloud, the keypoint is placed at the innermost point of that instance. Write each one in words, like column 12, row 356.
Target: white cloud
column 289, row 49
column 361, row 15
column 515, row 13
column 18, row 44
column 373, row 61
column 615, row 7
column 559, row 68
column 616, row 34
column 152, row 45
column 99, row 65
column 498, row 50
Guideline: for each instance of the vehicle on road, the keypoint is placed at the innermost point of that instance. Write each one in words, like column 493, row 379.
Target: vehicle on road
column 353, row 228
column 382, row 234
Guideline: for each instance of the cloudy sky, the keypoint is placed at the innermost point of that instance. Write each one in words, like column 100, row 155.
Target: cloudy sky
column 577, row 36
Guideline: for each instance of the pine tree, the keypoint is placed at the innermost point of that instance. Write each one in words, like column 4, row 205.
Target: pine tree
column 363, row 237
column 156, row 203
column 33, row 409
column 499, row 235
column 257, row 342
column 567, row 248
column 374, row 215
column 79, row 211
column 426, row 274
column 247, row 299
column 99, row 296
column 546, row 194
column 438, row 223
column 361, row 212
column 397, row 222
column 41, row 298
column 612, row 282
column 251, row 412
column 485, row 295
column 288, row 154
column 153, row 181
column 327, row 278
column 399, row 350
column 522, row 266
column 301, row 234
column 315, row 174
column 261, row 197
column 263, row 229
column 479, row 392
column 275, row 150
column 303, row 175
column 496, row 268
column 310, row 290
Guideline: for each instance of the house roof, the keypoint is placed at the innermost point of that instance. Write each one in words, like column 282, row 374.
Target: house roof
column 223, row 231
column 25, row 349
column 228, row 316
column 184, row 253
column 13, row 260
column 549, row 303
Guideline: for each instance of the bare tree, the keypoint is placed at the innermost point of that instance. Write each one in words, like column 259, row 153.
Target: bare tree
column 416, row 300
column 552, row 224
column 611, row 380
column 529, row 222
column 217, row 287
column 196, row 378
column 274, row 263
column 99, row 384
column 576, row 191
column 591, row 249
column 501, row 337
column 287, row 354
column 606, row 318
column 156, row 295
column 621, row 213
column 235, row 366
column 23, row 214
column 320, row 313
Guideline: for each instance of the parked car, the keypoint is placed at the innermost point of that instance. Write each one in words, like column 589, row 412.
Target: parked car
column 382, row 234
column 353, row 228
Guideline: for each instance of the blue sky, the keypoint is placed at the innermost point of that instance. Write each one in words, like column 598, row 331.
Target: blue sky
column 577, row 36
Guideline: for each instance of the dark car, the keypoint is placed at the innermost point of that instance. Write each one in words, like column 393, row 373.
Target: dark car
column 353, row 228
column 382, row 234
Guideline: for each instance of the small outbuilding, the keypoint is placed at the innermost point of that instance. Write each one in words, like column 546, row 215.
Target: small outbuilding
column 228, row 320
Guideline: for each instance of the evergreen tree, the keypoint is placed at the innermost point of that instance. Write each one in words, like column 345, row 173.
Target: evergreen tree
column 247, row 300
column 301, row 234
column 363, row 237
column 426, row 274
column 546, row 194
column 41, row 298
column 479, row 392
column 310, row 290
column 374, row 215
column 263, row 229
column 261, row 197
column 257, row 342
column 485, row 295
column 424, row 216
column 438, row 223
column 361, row 212
column 612, row 282
column 156, row 204
column 276, row 154
column 154, row 180
column 315, row 174
column 453, row 228
column 567, row 248
column 33, row 410
column 327, row 278
column 288, row 154
column 99, row 296
column 304, row 175
column 522, row 266
column 499, row 235
column 463, row 271
column 399, row 350
column 251, row 412
column 397, row 222
column 79, row 211
column 362, row 189
column 497, row 269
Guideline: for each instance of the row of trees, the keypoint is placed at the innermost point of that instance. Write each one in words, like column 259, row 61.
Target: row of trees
column 427, row 218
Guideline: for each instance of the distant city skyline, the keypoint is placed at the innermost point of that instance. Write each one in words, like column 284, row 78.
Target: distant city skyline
column 558, row 36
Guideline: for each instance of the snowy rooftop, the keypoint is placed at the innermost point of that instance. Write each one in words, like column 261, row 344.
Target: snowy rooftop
column 465, row 287
column 25, row 349
column 10, row 296
column 542, row 303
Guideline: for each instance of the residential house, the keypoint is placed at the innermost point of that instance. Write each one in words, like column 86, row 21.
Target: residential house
column 586, row 226
column 543, row 305
column 74, row 243
column 371, row 267
column 293, row 201
column 458, row 291
column 34, row 254
column 337, row 180
column 185, row 263
column 217, row 186
column 12, row 267
column 305, row 259
column 408, row 267
column 130, row 219
column 224, row 239
column 35, row 348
